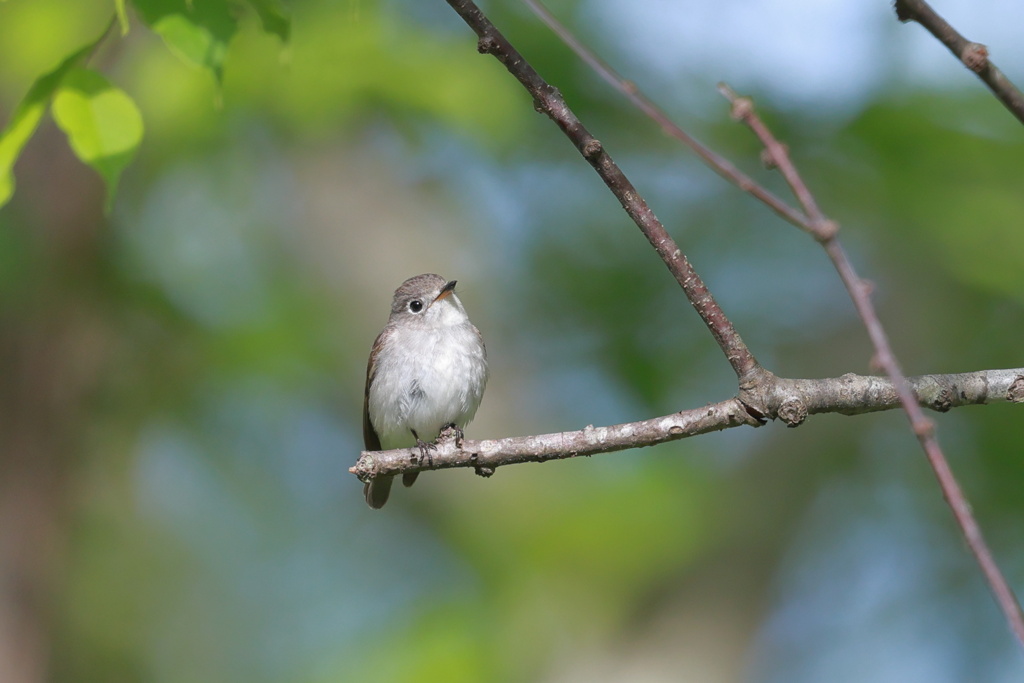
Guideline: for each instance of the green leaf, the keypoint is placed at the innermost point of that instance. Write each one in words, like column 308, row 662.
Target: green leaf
column 274, row 17
column 103, row 125
column 196, row 32
column 29, row 113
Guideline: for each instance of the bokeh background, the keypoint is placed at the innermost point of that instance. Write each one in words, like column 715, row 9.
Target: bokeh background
column 181, row 380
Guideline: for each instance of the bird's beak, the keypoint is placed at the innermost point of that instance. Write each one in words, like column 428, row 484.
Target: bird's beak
column 445, row 291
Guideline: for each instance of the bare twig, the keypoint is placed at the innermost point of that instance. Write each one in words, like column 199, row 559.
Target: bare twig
column 778, row 157
column 790, row 400
column 826, row 232
column 973, row 55
column 715, row 161
column 549, row 101
column 489, row 454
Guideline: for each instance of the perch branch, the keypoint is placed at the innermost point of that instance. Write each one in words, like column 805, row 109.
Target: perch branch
column 489, row 454
column 973, row 55
column 548, row 100
column 790, row 400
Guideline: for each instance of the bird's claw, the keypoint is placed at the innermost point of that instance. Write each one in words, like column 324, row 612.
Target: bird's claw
column 452, row 431
column 425, row 449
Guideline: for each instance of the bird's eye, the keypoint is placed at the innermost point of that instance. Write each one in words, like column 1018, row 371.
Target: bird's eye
column 415, row 305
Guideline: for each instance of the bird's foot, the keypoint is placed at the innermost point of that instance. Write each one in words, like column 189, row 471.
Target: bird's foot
column 425, row 449
column 452, row 431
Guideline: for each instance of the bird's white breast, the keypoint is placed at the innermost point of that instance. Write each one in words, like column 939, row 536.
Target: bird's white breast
column 426, row 377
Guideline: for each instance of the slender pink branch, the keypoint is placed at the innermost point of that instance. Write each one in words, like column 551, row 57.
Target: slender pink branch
column 826, row 232
column 715, row 161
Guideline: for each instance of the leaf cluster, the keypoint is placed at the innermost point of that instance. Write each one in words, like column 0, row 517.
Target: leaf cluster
column 102, row 122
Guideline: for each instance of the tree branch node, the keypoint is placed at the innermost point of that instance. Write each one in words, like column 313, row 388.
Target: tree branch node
column 1015, row 394
column 924, row 428
column 593, row 147
column 826, row 230
column 741, row 106
column 486, row 44
column 793, row 412
column 975, row 57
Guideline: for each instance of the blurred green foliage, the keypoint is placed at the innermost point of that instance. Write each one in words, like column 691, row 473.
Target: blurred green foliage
column 187, row 372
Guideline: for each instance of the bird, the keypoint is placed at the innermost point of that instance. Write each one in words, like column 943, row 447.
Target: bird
column 426, row 373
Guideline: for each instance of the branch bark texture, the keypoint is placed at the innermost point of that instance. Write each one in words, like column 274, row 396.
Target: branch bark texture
column 790, row 400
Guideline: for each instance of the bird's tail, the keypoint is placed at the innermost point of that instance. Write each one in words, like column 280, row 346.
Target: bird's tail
column 377, row 491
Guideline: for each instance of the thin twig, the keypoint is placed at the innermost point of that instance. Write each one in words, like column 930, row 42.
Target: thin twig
column 549, row 101
column 826, row 232
column 973, row 55
column 715, row 161
column 778, row 157
column 790, row 400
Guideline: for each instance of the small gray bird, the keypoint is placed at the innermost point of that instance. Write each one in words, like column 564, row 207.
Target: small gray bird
column 427, row 371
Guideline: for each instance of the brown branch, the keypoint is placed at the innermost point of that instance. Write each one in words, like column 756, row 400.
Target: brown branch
column 973, row 55
column 778, row 157
column 549, row 101
column 490, row 454
column 715, row 161
column 826, row 231
column 790, row 400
